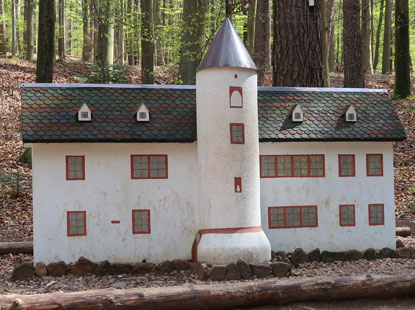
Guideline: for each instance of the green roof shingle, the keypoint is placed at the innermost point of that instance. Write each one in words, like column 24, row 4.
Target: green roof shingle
column 49, row 114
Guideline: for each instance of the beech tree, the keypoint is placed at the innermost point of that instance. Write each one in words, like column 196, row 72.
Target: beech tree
column 61, row 31
column 352, row 45
column 378, row 31
column 192, row 39
column 46, row 41
column 297, row 53
column 387, row 38
column 402, row 56
column 3, row 41
column 29, row 29
column 262, row 40
column 147, row 42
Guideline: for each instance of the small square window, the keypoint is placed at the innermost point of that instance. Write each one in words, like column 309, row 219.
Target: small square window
column 267, row 166
column 293, row 217
column 347, row 166
column 141, row 222
column 75, row 167
column 143, row 115
column 237, row 133
column 347, row 215
column 84, row 115
column 76, row 223
column 284, row 166
column 374, row 164
column 276, row 217
column 309, row 216
column 376, row 214
column 300, row 165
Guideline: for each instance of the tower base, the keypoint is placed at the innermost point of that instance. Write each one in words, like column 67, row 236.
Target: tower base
column 224, row 247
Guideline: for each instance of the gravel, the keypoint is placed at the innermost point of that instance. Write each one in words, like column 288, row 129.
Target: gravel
column 71, row 283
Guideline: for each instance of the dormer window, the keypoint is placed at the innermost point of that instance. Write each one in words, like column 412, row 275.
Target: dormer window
column 351, row 114
column 143, row 114
column 297, row 114
column 84, row 113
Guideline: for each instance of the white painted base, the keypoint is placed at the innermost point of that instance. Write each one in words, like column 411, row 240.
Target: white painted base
column 252, row 247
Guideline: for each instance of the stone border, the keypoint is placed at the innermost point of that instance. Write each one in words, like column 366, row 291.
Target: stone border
column 279, row 266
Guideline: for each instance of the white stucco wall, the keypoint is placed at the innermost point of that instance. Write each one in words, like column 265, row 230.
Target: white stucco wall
column 108, row 193
column 330, row 192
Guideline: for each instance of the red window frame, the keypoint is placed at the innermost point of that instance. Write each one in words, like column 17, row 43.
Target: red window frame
column 233, row 89
column 238, row 182
column 68, row 231
column 383, row 214
column 292, row 166
column 133, row 221
column 340, row 215
column 367, row 165
column 354, row 165
column 67, row 167
column 148, row 163
column 285, row 217
column 242, row 125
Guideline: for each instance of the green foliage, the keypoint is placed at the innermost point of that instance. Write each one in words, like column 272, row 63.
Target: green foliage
column 26, row 157
column 106, row 74
column 12, row 184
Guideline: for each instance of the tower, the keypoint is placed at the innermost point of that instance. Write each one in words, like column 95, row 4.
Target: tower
column 228, row 154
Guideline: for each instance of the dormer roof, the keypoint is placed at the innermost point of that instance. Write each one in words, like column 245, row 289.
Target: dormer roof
column 227, row 50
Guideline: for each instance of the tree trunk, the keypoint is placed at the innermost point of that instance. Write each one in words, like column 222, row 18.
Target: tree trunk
column 352, row 45
column 147, row 42
column 378, row 31
column 61, row 36
column 14, row 39
column 251, row 27
column 94, row 29
column 221, row 295
column 330, row 22
column 387, row 39
column 105, row 35
column 121, row 16
column 137, row 32
column 46, row 41
column 402, row 56
column 29, row 30
column 297, row 46
column 130, row 34
column 324, row 43
column 367, row 35
column 192, row 39
column 18, row 36
column 87, row 42
column 3, row 42
column 262, row 40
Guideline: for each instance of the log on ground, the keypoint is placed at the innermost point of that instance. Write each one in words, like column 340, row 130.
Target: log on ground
column 403, row 231
column 16, row 247
column 220, row 295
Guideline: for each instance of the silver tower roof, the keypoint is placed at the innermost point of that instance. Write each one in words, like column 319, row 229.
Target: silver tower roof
column 227, row 50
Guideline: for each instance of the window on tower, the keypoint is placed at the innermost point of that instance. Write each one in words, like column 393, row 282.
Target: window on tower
column 235, row 97
column 237, row 133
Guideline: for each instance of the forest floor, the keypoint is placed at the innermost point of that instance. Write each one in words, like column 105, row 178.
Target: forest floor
column 16, row 196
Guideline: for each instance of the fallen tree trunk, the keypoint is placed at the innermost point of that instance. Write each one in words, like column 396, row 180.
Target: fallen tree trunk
column 403, row 231
column 220, row 295
column 16, row 247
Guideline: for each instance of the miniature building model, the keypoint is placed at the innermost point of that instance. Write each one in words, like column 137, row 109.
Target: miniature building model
column 247, row 179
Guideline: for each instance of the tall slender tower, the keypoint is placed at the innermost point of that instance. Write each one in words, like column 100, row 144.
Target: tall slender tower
column 228, row 154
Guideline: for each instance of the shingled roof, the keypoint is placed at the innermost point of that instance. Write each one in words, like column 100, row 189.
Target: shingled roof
column 49, row 114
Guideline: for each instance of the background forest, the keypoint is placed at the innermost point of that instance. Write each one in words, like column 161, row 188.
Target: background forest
column 296, row 42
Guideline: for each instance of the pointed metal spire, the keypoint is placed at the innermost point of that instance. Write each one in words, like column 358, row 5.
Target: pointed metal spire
column 227, row 50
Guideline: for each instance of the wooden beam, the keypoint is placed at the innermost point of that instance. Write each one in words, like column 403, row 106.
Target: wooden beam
column 220, row 295
column 16, row 247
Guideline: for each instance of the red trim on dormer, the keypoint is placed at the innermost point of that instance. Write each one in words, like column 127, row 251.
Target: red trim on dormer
column 354, row 165
column 367, row 165
column 68, row 232
column 238, row 89
column 340, row 215
column 148, row 166
column 83, row 168
column 231, row 125
column 148, row 218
